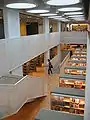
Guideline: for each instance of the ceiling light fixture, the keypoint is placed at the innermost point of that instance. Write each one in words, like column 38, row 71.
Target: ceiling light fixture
column 76, row 16
column 62, row 2
column 38, row 11
column 79, row 19
column 48, row 14
column 21, row 5
column 73, row 13
column 70, row 9
column 55, row 17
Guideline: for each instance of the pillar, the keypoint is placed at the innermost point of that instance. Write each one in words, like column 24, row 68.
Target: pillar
column 12, row 30
column 59, row 26
column 46, row 31
column 46, row 25
column 11, row 23
column 87, row 89
column 58, row 47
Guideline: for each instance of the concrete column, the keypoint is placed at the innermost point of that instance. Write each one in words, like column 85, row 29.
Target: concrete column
column 58, row 47
column 46, row 25
column 11, row 23
column 59, row 26
column 87, row 90
column 46, row 31
column 12, row 30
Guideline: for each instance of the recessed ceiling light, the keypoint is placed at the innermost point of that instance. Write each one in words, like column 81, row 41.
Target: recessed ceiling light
column 38, row 11
column 70, row 9
column 48, row 14
column 62, row 2
column 73, row 13
column 20, row 5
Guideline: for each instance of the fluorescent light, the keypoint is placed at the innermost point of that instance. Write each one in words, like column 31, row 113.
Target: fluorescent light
column 61, row 19
column 48, row 14
column 70, row 9
column 20, row 5
column 73, row 13
column 62, row 2
column 55, row 17
column 38, row 11
column 76, row 16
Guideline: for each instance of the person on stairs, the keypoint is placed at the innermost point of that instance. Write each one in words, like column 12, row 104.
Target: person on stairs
column 50, row 66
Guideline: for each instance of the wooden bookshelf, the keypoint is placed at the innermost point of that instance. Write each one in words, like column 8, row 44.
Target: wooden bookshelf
column 63, row 100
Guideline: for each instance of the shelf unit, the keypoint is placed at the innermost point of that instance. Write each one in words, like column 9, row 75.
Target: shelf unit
column 72, row 81
column 40, row 60
column 74, row 70
column 30, row 66
column 76, row 63
column 53, row 52
column 45, row 114
column 68, row 100
column 78, row 56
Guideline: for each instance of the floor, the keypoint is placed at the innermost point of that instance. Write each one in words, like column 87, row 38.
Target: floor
column 30, row 110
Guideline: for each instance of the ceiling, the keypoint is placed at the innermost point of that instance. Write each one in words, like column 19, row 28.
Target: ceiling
column 41, row 4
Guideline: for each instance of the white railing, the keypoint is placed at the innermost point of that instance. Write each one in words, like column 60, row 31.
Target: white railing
column 64, row 62
column 14, row 96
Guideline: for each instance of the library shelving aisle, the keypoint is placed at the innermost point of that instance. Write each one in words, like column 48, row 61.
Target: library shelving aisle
column 68, row 100
column 72, row 81
column 78, row 58
column 76, row 63
column 75, row 70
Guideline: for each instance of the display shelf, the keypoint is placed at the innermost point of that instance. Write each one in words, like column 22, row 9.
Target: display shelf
column 76, row 63
column 72, row 82
column 79, row 53
column 68, row 100
column 78, row 56
column 55, row 115
column 75, row 70
column 78, row 77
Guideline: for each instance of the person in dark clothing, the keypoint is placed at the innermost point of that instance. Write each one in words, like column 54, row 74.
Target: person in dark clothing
column 49, row 67
column 70, row 53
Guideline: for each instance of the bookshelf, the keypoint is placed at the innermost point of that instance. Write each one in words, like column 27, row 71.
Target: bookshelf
column 76, row 82
column 75, row 70
column 68, row 100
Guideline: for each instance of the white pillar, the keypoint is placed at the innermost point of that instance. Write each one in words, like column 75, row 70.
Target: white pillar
column 58, row 47
column 12, row 30
column 59, row 26
column 46, row 31
column 46, row 25
column 87, row 90
column 11, row 23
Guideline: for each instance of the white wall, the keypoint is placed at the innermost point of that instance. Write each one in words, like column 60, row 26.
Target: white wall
column 14, row 52
column 74, row 37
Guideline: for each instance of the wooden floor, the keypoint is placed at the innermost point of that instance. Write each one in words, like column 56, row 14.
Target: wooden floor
column 30, row 110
